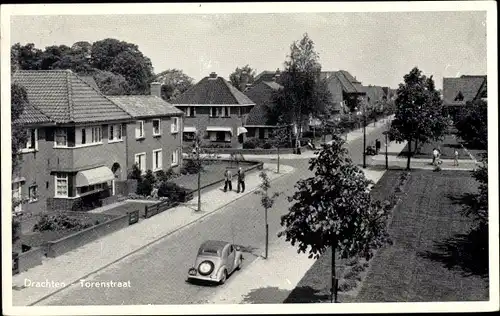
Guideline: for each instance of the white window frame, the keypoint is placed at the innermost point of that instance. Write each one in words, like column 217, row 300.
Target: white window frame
column 160, row 160
column 117, row 134
column 190, row 111
column 159, row 127
column 216, row 111
column 56, row 145
column 175, row 158
column 226, row 111
column 30, row 141
column 143, row 169
column 61, row 177
column 174, row 128
column 139, row 130
column 32, row 198
column 96, row 135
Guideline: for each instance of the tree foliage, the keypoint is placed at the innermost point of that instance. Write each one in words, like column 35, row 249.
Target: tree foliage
column 236, row 77
column 174, row 83
column 303, row 94
column 110, row 83
column 19, row 100
column 419, row 114
column 472, row 124
column 26, row 57
column 334, row 208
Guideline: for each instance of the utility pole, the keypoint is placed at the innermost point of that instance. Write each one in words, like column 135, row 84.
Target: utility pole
column 386, row 133
column 364, row 135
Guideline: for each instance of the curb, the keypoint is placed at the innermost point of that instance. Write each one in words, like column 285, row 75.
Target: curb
column 151, row 243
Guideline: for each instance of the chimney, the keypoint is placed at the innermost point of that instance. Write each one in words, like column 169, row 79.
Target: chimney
column 155, row 88
column 243, row 81
column 213, row 75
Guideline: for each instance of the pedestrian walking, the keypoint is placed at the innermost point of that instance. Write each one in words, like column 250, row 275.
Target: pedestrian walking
column 435, row 154
column 455, row 160
column 377, row 146
column 228, row 183
column 241, row 181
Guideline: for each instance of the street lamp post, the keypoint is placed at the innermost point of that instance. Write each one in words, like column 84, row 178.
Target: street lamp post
column 364, row 136
column 386, row 133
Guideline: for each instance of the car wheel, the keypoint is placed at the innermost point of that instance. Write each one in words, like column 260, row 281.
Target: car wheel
column 224, row 277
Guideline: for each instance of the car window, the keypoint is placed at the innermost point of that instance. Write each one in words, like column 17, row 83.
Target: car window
column 209, row 251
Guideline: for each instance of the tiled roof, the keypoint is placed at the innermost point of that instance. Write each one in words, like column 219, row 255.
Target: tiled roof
column 213, row 91
column 145, row 105
column 262, row 94
column 375, row 93
column 468, row 86
column 349, row 83
column 32, row 115
column 266, row 75
column 64, row 97
column 90, row 80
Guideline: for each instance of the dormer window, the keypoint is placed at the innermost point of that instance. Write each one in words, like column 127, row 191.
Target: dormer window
column 459, row 97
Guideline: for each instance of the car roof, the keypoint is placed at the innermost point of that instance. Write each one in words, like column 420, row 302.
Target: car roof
column 214, row 244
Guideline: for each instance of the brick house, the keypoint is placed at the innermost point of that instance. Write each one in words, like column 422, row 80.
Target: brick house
column 458, row 91
column 345, row 89
column 257, row 122
column 71, row 160
column 375, row 96
column 154, row 139
column 216, row 109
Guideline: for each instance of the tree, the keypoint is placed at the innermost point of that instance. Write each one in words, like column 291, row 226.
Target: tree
column 236, row 78
column 19, row 100
column 266, row 200
column 472, row 124
column 27, row 57
column 419, row 114
column 124, row 59
column 303, row 94
column 174, row 83
column 333, row 209
column 110, row 83
column 56, row 57
column 280, row 136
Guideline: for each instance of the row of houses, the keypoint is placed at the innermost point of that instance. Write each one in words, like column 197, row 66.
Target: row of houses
column 82, row 144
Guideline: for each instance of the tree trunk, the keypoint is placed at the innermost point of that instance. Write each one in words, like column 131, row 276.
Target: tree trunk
column 409, row 155
column 267, row 234
column 199, row 178
column 334, row 277
column 278, row 159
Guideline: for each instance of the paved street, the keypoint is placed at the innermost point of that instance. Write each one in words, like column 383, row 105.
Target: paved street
column 157, row 273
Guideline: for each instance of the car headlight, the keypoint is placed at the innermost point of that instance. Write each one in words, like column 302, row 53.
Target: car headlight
column 206, row 267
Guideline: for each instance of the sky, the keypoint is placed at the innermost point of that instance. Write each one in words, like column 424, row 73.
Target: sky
column 378, row 48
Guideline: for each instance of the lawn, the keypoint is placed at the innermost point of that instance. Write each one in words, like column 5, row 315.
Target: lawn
column 214, row 171
column 447, row 147
column 434, row 257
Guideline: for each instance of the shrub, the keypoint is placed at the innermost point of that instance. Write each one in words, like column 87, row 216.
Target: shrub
column 350, row 275
column 352, row 261
column 172, row 191
column 136, row 173
column 347, row 285
column 191, row 167
column 145, row 186
column 366, row 264
column 267, row 145
column 60, row 222
column 16, row 230
column 163, row 176
column 358, row 268
column 250, row 143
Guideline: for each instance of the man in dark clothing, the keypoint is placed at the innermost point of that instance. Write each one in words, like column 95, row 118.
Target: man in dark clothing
column 241, row 181
column 228, row 177
column 377, row 146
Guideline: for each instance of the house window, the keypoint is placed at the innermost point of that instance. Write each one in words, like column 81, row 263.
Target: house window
column 86, row 190
column 220, row 136
column 240, row 112
column 61, row 137
column 214, row 111
column 140, row 161
column 115, row 132
column 139, row 129
column 84, row 136
column 226, row 112
column 61, row 184
column 33, row 193
column 175, row 125
column 175, row 157
column 190, row 111
column 31, row 140
column 96, row 134
column 157, row 160
column 459, row 97
column 16, row 196
column 156, row 127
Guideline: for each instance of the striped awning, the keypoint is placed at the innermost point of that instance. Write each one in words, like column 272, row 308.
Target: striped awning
column 219, row 129
column 94, row 176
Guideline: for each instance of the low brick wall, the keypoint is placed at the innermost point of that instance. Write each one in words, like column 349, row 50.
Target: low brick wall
column 58, row 247
column 30, row 259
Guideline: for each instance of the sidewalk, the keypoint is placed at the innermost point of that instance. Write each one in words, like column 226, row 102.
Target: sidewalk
column 307, row 154
column 280, row 273
column 79, row 263
column 394, row 149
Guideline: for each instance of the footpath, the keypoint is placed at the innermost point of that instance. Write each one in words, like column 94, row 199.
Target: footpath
column 69, row 268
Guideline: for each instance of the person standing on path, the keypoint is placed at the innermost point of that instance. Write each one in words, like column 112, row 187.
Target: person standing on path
column 228, row 176
column 455, row 160
column 241, row 181
column 434, row 155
